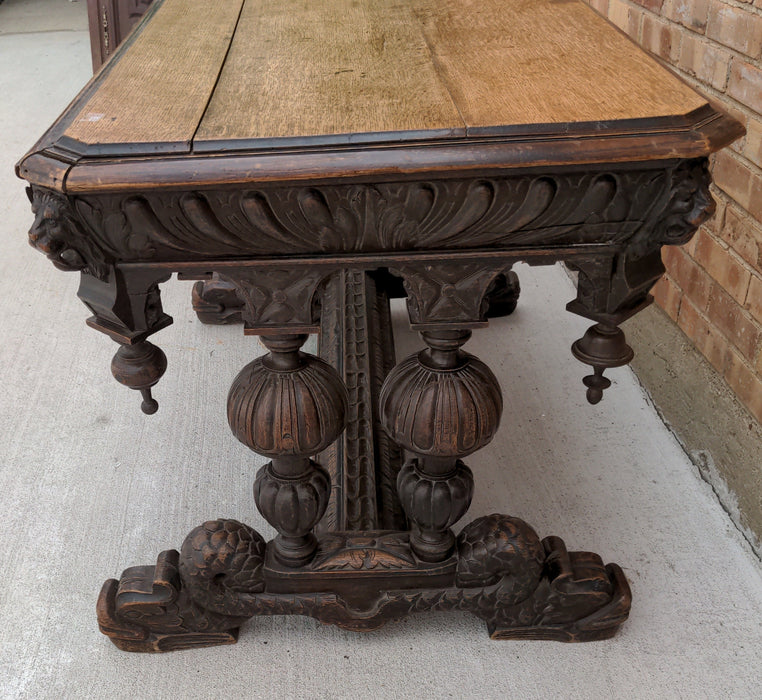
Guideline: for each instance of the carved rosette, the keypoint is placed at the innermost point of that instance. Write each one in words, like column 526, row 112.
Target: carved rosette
column 440, row 296
column 289, row 405
column 280, row 298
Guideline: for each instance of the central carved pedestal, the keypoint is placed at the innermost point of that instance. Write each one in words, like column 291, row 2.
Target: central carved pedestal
column 337, row 490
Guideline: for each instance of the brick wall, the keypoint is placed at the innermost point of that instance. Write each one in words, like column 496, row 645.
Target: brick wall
column 713, row 286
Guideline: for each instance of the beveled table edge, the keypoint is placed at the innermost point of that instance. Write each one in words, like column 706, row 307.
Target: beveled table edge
column 61, row 168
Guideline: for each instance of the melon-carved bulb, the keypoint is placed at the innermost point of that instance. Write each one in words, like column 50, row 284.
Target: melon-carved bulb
column 441, row 402
column 287, row 402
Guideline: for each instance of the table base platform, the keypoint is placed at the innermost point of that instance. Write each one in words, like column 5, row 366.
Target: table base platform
column 523, row 588
column 363, row 563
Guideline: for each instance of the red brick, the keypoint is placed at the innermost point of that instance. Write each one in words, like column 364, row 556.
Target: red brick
column 633, row 28
column 744, row 235
column 653, row 5
column 695, row 283
column 600, row 6
column 745, row 84
column 745, row 383
column 667, row 296
column 715, row 222
column 751, row 146
column 690, row 246
column 619, row 14
column 721, row 264
column 669, row 255
column 708, row 340
column 755, row 198
column 739, row 145
column 660, row 38
column 754, row 298
column 734, row 177
column 690, row 13
column 708, row 62
column 734, row 322
column 735, row 27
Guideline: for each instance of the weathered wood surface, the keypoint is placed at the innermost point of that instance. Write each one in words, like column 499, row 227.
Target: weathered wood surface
column 152, row 95
column 326, row 68
column 369, row 70
column 521, row 62
column 431, row 68
column 275, row 91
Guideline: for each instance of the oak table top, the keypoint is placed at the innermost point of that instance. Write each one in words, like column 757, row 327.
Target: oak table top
column 305, row 161
column 494, row 83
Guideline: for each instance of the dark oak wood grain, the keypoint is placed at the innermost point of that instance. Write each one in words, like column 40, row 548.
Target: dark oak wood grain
column 308, row 161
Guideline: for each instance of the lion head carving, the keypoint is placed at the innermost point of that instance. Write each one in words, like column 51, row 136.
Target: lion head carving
column 690, row 205
column 53, row 229
column 58, row 234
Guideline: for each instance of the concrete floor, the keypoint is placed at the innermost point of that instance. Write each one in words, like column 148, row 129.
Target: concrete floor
column 88, row 486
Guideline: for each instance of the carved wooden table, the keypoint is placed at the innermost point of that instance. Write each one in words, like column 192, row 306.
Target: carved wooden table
column 310, row 160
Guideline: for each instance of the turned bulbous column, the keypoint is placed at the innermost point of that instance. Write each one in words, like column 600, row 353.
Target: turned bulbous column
column 440, row 404
column 289, row 405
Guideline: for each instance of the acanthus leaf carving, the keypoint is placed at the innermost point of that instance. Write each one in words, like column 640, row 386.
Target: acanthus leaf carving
column 367, row 551
column 602, row 206
column 653, row 207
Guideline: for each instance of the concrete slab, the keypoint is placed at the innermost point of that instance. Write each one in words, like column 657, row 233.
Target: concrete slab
column 722, row 439
column 23, row 16
column 88, row 486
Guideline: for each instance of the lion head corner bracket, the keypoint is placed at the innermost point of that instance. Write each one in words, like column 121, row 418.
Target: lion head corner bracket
column 614, row 287
column 126, row 304
column 58, row 233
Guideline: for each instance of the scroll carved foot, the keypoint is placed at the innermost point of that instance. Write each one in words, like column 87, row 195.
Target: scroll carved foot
column 535, row 589
column 194, row 598
column 216, row 303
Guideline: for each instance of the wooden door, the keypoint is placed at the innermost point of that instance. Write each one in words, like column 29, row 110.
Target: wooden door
column 110, row 21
